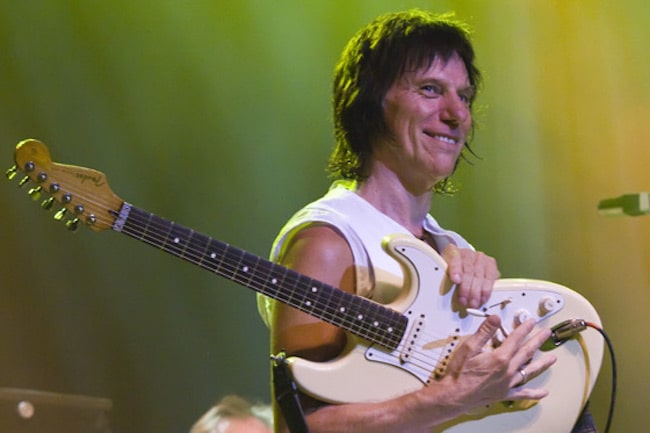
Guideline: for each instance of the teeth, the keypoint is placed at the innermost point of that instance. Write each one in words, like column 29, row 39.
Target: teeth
column 445, row 139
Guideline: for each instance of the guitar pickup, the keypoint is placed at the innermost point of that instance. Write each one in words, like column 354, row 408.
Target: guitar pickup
column 411, row 341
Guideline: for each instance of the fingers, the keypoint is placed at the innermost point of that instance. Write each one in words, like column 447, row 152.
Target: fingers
column 523, row 343
column 527, row 394
column 473, row 345
column 531, row 370
column 473, row 272
column 521, row 346
column 519, row 390
column 501, row 374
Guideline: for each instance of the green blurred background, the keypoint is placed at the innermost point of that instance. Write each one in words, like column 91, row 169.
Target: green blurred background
column 216, row 114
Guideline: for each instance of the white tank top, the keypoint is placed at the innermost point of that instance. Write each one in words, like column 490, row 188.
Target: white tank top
column 378, row 275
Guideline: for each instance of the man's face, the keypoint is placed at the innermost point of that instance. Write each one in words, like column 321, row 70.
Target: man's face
column 428, row 119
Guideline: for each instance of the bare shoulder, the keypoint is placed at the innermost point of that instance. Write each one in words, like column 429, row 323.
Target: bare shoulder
column 319, row 251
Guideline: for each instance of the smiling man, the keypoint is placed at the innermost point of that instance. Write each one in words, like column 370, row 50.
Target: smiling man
column 403, row 94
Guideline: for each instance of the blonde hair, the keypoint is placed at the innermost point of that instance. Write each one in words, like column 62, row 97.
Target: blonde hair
column 231, row 406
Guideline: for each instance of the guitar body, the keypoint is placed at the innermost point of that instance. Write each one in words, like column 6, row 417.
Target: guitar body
column 392, row 349
column 366, row 373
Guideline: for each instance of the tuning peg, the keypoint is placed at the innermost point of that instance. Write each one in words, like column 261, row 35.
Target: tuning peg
column 60, row 214
column 91, row 219
column 72, row 224
column 35, row 193
column 23, row 181
column 11, row 173
column 47, row 203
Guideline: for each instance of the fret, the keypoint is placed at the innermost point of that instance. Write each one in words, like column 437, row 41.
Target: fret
column 214, row 255
column 319, row 296
column 136, row 222
column 246, row 269
column 356, row 317
column 197, row 248
column 262, row 274
column 375, row 321
column 155, row 230
column 297, row 285
column 314, row 303
column 231, row 259
column 329, row 301
column 299, row 294
column 272, row 283
column 176, row 242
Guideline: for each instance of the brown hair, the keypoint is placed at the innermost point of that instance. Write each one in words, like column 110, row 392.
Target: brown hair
column 371, row 62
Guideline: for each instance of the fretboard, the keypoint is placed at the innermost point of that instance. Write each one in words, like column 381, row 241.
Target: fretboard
column 354, row 314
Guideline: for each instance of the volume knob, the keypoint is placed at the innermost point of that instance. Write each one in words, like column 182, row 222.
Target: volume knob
column 521, row 316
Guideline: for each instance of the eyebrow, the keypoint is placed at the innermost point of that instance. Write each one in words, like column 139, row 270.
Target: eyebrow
column 468, row 91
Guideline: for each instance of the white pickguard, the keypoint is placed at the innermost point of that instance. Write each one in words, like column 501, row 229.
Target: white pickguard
column 366, row 373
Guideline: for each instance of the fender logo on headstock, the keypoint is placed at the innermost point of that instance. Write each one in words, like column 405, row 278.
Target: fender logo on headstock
column 96, row 180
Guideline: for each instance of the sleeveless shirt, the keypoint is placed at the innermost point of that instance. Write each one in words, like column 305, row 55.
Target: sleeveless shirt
column 378, row 276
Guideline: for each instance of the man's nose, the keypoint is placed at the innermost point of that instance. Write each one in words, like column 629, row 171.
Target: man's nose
column 455, row 111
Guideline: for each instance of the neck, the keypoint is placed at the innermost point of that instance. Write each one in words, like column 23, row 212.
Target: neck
column 391, row 197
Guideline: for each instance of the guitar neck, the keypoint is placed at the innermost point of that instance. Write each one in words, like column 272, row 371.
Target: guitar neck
column 351, row 313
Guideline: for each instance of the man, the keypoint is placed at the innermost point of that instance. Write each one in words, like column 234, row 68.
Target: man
column 403, row 94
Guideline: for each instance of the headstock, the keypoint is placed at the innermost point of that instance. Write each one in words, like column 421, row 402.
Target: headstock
column 83, row 194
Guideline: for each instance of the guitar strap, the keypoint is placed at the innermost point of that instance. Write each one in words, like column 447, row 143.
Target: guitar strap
column 286, row 394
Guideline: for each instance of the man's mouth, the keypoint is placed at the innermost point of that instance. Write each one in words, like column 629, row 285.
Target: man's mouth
column 443, row 138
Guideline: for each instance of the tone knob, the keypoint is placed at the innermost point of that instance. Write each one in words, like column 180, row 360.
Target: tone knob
column 547, row 305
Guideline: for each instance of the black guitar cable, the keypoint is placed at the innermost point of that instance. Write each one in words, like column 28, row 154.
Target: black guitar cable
column 610, row 347
column 566, row 330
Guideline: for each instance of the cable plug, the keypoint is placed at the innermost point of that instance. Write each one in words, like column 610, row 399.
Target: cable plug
column 564, row 331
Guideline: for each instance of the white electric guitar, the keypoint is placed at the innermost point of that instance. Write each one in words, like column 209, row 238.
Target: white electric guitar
column 392, row 349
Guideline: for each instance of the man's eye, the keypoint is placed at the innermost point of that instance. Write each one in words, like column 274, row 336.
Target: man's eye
column 431, row 89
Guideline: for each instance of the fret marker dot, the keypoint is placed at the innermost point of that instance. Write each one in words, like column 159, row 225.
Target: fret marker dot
column 360, row 316
column 308, row 303
column 176, row 240
column 213, row 255
column 274, row 280
column 390, row 329
column 375, row 323
column 314, row 289
column 342, row 309
column 245, row 268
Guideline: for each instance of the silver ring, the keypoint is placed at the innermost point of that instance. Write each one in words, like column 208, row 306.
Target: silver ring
column 524, row 376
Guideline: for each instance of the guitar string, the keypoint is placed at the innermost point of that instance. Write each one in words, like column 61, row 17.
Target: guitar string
column 417, row 358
